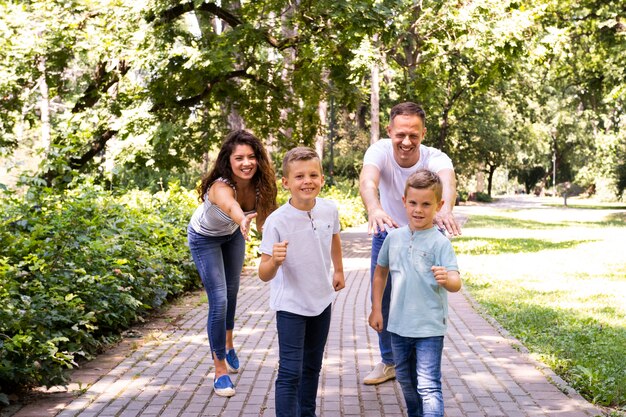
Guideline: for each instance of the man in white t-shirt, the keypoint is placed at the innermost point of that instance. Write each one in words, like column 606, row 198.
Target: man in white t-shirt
column 386, row 166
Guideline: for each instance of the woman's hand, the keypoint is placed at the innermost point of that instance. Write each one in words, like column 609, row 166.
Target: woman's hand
column 244, row 226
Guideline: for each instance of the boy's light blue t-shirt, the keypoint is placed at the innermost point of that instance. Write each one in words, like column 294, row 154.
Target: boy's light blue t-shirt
column 419, row 306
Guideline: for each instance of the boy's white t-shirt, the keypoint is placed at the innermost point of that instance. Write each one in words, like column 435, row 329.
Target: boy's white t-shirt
column 303, row 283
column 393, row 177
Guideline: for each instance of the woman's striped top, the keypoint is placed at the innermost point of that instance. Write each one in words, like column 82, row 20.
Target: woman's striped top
column 210, row 220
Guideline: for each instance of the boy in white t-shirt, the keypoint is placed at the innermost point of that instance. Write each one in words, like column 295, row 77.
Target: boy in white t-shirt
column 423, row 269
column 300, row 241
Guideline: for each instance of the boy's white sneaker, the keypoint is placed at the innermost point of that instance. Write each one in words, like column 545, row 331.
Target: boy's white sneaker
column 380, row 374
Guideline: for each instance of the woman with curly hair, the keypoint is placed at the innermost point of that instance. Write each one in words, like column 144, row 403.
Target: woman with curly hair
column 241, row 186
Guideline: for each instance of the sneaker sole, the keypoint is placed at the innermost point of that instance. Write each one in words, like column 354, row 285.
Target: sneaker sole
column 231, row 369
column 224, row 392
column 378, row 381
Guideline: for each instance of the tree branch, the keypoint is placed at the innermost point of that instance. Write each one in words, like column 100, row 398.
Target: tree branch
column 102, row 81
column 77, row 163
column 193, row 100
column 233, row 21
column 96, row 146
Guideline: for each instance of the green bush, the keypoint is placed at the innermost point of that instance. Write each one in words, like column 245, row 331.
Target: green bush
column 78, row 267
column 483, row 197
column 351, row 210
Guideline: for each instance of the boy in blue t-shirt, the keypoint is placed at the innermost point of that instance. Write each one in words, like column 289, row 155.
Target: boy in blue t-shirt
column 423, row 268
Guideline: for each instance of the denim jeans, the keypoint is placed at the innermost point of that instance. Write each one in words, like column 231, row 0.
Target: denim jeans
column 219, row 260
column 301, row 342
column 384, row 337
column 418, row 370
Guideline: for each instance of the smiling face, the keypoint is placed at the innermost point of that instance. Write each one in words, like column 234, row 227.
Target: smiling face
column 243, row 162
column 406, row 133
column 304, row 181
column 421, row 205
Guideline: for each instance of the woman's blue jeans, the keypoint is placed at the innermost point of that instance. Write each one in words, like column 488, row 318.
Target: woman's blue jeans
column 301, row 342
column 418, row 370
column 219, row 260
column 384, row 337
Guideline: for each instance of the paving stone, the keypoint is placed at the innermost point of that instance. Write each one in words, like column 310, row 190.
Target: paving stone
column 172, row 376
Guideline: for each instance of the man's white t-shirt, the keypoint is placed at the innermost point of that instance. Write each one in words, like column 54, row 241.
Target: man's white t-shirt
column 303, row 283
column 393, row 177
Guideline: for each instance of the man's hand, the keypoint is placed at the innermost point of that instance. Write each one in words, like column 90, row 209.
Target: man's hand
column 377, row 219
column 444, row 219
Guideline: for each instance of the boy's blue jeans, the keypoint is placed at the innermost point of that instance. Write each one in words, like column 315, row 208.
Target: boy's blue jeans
column 301, row 342
column 384, row 338
column 418, row 370
column 219, row 260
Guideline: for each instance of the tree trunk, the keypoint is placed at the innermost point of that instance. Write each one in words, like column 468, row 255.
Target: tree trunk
column 375, row 105
column 443, row 131
column 492, row 170
column 44, row 105
column 289, row 57
column 375, row 101
column 235, row 121
column 322, row 112
column 229, row 108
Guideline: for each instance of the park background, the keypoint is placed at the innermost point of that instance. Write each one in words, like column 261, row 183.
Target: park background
column 111, row 110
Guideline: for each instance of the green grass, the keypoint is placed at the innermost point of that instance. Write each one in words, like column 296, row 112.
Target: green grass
column 581, row 337
column 489, row 245
column 502, row 222
column 571, row 316
column 606, row 206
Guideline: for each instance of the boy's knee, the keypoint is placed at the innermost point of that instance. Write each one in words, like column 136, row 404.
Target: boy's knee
column 289, row 377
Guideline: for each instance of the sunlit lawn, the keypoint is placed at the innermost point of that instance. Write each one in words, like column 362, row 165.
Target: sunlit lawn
column 557, row 286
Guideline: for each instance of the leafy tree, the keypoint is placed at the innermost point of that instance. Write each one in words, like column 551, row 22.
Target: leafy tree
column 447, row 52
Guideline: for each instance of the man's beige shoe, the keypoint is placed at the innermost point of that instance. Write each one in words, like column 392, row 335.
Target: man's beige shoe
column 380, row 374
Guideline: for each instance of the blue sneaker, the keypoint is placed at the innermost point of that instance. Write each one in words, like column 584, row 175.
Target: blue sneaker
column 232, row 361
column 223, row 386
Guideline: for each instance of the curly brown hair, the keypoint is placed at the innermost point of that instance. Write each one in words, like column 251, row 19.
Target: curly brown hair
column 264, row 179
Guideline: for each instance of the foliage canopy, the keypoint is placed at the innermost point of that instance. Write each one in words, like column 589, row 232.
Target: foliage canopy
column 116, row 86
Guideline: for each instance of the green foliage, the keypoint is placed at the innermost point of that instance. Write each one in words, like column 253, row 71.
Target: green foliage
column 529, row 176
column 79, row 266
column 482, row 197
column 138, row 87
column 351, row 210
column 349, row 146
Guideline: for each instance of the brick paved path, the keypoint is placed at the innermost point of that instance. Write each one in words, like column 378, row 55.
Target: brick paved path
column 172, row 374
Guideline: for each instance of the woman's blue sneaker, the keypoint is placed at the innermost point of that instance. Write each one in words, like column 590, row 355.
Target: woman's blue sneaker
column 223, row 386
column 232, row 361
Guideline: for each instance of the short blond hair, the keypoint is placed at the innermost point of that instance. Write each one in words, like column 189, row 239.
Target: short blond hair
column 423, row 179
column 301, row 153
